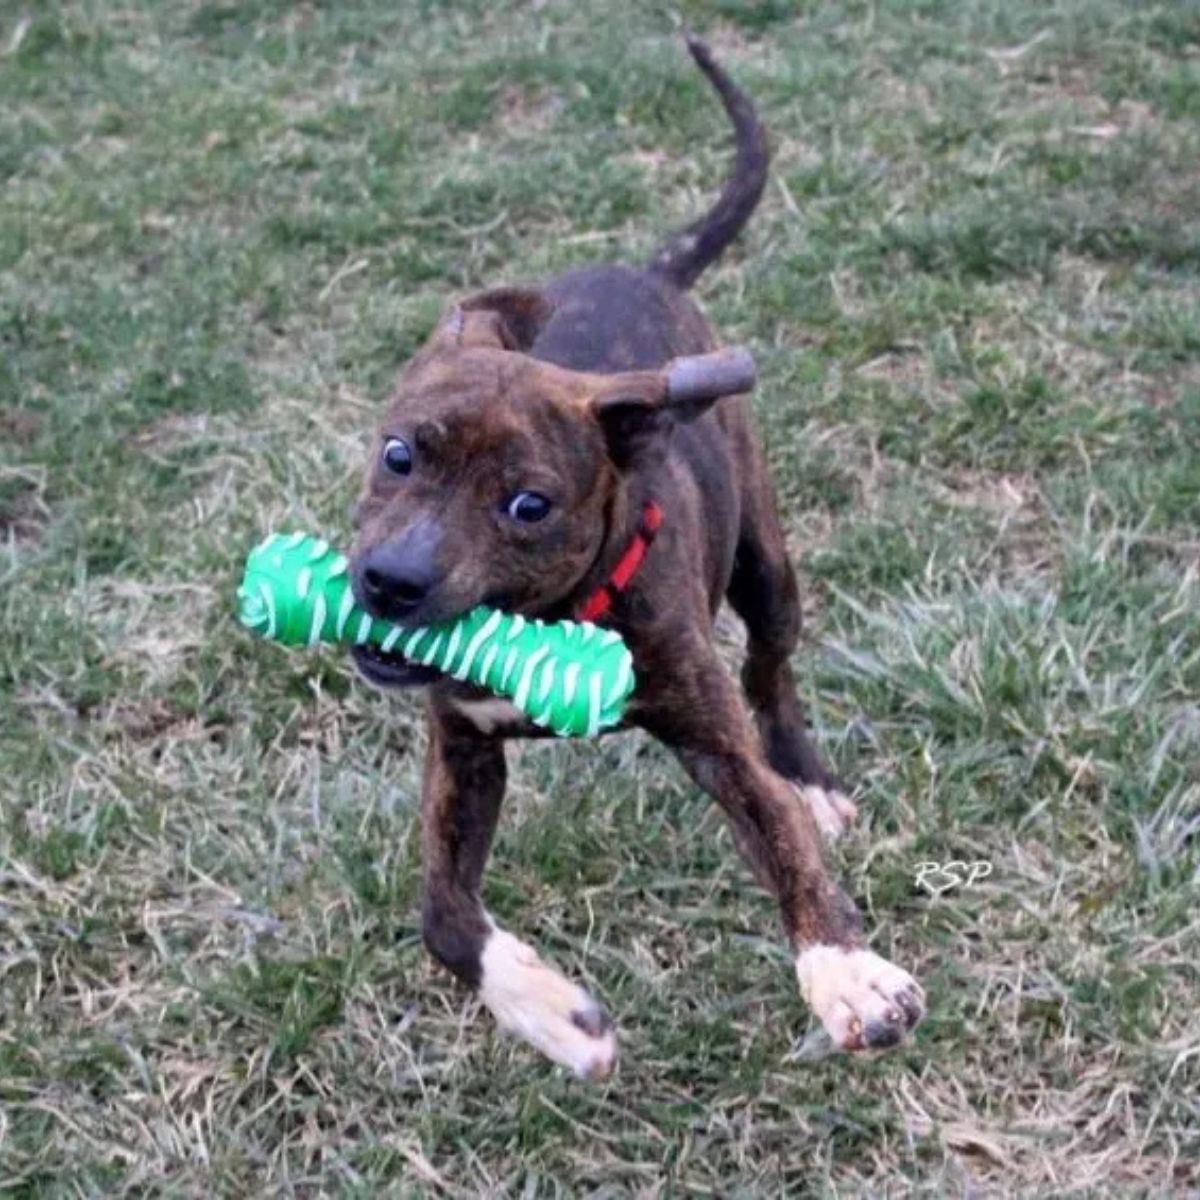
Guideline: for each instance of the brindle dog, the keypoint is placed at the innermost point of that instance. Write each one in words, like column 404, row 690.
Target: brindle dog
column 517, row 458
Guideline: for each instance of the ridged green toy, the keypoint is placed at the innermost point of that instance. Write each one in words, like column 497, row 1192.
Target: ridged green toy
column 571, row 677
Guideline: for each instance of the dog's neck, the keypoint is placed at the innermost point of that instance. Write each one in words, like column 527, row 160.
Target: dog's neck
column 624, row 516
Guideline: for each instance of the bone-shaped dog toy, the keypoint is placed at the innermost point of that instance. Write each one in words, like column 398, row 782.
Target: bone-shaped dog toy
column 571, row 677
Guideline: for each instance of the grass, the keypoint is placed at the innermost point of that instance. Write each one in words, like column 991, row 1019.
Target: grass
column 974, row 291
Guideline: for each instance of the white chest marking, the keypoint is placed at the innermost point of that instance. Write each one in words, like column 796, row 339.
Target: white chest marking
column 487, row 715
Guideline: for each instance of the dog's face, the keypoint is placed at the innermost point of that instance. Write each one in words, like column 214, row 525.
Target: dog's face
column 493, row 474
column 488, row 481
column 486, row 486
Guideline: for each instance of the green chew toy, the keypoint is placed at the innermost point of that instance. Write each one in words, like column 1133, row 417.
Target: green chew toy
column 573, row 678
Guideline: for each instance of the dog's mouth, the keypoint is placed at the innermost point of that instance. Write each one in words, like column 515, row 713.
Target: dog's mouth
column 390, row 670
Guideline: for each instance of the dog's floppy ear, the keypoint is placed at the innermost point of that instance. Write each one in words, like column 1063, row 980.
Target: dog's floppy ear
column 635, row 406
column 501, row 319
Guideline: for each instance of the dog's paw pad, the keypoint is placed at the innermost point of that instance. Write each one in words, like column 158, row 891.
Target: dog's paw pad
column 864, row 1001
column 531, row 999
column 833, row 811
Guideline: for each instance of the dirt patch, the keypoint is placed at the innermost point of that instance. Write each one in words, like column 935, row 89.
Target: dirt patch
column 891, row 93
column 528, row 109
column 902, row 366
column 1167, row 389
column 154, row 718
column 737, row 50
column 910, row 368
column 1024, row 544
column 19, row 425
column 1074, row 85
column 797, row 154
column 172, row 432
column 652, row 162
column 23, row 517
column 995, row 492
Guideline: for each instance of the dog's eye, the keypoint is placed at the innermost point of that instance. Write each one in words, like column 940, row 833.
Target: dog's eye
column 397, row 457
column 529, row 507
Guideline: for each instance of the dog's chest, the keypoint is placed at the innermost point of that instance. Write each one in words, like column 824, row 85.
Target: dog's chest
column 489, row 715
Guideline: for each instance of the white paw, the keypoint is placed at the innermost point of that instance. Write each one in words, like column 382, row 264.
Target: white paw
column 862, row 1000
column 535, row 1002
column 832, row 810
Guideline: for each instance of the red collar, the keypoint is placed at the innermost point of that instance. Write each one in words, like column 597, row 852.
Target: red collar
column 601, row 600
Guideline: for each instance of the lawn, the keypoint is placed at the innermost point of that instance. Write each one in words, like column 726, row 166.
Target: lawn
column 973, row 289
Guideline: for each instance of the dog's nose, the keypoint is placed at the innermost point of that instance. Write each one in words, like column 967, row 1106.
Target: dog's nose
column 397, row 576
column 389, row 588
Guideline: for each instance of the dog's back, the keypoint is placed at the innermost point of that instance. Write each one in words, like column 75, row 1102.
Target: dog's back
column 613, row 318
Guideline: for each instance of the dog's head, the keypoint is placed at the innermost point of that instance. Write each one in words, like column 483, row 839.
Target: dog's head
column 493, row 473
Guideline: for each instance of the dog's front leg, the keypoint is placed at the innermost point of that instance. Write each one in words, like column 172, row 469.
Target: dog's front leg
column 862, row 999
column 460, row 805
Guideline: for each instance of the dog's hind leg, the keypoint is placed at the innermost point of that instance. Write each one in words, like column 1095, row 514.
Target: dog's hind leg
column 763, row 592
column 460, row 805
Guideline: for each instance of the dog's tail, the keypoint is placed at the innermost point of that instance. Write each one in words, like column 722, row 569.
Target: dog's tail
column 688, row 252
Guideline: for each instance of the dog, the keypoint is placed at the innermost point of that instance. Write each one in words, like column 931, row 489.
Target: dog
column 583, row 449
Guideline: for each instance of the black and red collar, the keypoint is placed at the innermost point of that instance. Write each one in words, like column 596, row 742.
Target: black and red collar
column 602, row 599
